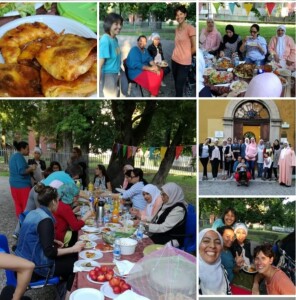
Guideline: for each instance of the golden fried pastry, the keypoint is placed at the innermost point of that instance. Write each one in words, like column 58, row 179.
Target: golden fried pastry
column 83, row 86
column 13, row 40
column 19, row 81
column 71, row 57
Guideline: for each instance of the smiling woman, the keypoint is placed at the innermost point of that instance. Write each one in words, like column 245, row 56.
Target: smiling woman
column 212, row 275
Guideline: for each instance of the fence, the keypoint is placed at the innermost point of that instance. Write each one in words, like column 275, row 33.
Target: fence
column 185, row 165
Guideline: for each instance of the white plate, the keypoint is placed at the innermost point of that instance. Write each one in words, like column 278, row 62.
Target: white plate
column 113, row 226
column 87, row 293
column 80, row 262
column 89, row 245
column 16, row 13
column 91, row 229
column 244, row 86
column 97, row 282
column 57, row 23
column 98, row 254
column 106, row 289
column 245, row 268
column 88, row 237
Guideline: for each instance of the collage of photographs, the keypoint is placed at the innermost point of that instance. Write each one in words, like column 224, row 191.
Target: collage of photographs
column 104, row 191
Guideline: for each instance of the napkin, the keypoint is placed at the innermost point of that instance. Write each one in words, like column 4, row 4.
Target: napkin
column 130, row 295
column 124, row 266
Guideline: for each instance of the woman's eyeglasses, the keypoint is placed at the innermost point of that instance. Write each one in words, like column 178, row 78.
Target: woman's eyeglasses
column 252, row 31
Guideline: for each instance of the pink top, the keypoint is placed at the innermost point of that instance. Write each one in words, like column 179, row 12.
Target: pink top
column 210, row 41
column 289, row 46
column 251, row 151
column 182, row 51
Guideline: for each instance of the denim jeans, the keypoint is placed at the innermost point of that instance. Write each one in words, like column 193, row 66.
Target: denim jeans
column 260, row 169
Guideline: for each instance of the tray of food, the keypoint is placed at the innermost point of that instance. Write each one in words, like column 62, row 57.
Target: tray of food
column 162, row 64
column 244, row 70
column 250, row 269
column 224, row 63
column 219, row 77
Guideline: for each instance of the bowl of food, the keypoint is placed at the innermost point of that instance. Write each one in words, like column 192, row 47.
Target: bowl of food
column 128, row 246
column 108, row 237
column 239, row 86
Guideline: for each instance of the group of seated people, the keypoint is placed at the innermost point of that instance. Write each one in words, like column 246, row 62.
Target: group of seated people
column 224, row 250
column 252, row 48
column 48, row 235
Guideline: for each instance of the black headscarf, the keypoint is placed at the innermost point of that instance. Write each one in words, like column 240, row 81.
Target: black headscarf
column 226, row 38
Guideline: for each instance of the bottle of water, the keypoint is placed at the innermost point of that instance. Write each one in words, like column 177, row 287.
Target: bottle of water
column 140, row 231
column 83, row 210
column 117, row 250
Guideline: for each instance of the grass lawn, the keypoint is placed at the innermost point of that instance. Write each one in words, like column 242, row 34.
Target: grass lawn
column 188, row 184
column 243, row 29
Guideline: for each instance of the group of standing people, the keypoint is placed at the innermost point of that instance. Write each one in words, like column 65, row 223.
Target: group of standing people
column 238, row 156
column 253, row 48
column 143, row 64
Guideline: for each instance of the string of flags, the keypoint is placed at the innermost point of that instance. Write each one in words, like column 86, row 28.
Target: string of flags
column 247, row 6
column 130, row 151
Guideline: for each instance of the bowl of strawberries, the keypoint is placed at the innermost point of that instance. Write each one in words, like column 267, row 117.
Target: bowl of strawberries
column 114, row 287
column 100, row 275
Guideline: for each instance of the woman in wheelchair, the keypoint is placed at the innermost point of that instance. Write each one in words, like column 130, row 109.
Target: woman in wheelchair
column 36, row 240
column 242, row 174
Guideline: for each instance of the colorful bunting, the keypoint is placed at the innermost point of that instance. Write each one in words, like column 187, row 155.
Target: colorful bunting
column 193, row 151
column 151, row 152
column 270, row 6
column 124, row 150
column 162, row 151
column 134, row 150
column 231, row 7
column 248, row 7
column 216, row 5
column 179, row 150
column 129, row 151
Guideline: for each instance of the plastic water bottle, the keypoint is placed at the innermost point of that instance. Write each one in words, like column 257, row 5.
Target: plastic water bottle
column 140, row 231
column 83, row 210
column 117, row 250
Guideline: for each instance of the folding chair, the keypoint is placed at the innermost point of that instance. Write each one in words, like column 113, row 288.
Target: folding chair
column 130, row 81
column 11, row 277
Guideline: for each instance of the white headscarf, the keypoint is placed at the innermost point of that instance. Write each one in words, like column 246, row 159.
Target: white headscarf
column 212, row 279
column 280, row 45
column 201, row 70
column 154, row 193
column 37, row 150
column 175, row 194
column 154, row 35
column 265, row 85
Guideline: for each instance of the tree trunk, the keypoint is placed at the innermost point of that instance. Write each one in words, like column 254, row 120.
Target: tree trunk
column 167, row 162
column 127, row 134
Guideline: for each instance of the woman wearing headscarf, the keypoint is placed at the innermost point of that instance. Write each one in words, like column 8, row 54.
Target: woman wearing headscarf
column 67, row 225
column 265, row 85
column 210, row 38
column 254, row 46
column 37, row 175
column 212, row 275
column 281, row 46
column 230, row 42
column 152, row 196
column 286, row 163
column 251, row 153
column 276, row 148
column 169, row 221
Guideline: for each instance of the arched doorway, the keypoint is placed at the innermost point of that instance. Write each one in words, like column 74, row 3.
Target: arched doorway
column 262, row 117
column 251, row 119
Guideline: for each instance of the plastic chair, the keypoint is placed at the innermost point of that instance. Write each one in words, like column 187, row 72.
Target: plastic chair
column 11, row 276
column 190, row 231
column 130, row 81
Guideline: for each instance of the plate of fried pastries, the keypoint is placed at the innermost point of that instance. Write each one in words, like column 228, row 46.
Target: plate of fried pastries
column 47, row 56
